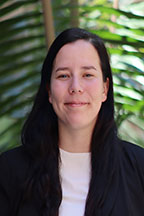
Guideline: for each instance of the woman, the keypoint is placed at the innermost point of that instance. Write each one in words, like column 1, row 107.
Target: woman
column 71, row 161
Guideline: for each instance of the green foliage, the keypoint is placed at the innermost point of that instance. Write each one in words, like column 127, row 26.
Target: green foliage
column 23, row 48
column 22, row 51
column 124, row 38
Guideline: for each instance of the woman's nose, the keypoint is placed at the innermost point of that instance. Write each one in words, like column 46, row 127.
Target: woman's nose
column 75, row 86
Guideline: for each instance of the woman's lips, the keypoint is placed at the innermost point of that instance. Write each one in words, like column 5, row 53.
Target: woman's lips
column 76, row 104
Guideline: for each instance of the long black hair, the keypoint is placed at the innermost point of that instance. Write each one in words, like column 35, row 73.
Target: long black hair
column 40, row 137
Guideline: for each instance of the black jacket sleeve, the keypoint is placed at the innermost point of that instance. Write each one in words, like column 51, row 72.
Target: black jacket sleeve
column 13, row 172
column 6, row 187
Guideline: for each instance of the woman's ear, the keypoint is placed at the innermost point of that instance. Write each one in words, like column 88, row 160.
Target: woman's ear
column 49, row 93
column 105, row 89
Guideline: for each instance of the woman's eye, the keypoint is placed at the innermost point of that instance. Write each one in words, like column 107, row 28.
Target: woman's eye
column 63, row 76
column 88, row 75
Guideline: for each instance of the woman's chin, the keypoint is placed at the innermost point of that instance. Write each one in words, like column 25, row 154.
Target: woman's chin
column 79, row 124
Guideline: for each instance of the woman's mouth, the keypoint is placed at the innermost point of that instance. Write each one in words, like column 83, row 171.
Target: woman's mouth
column 76, row 104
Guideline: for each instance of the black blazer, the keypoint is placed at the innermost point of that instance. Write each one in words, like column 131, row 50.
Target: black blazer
column 127, row 200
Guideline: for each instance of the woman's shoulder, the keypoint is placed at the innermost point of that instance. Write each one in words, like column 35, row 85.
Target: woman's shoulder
column 15, row 168
column 16, row 151
column 15, row 155
column 15, row 161
column 132, row 154
column 132, row 148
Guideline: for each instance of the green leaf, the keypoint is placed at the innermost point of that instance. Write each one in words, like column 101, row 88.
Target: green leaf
column 20, row 66
column 26, row 17
column 14, row 6
column 19, row 55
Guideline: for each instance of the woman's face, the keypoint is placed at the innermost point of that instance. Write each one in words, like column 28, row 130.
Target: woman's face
column 77, row 89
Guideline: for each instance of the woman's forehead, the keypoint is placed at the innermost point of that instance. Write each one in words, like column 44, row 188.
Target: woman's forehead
column 80, row 50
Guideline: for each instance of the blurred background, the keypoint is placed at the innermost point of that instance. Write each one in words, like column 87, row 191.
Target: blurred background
column 28, row 27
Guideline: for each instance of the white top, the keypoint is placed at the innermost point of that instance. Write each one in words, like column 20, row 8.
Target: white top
column 75, row 177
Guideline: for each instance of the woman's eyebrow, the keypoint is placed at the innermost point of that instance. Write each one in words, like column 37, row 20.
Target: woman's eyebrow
column 89, row 67
column 62, row 69
column 83, row 67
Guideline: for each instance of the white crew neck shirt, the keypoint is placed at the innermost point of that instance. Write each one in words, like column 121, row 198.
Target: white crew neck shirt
column 75, row 172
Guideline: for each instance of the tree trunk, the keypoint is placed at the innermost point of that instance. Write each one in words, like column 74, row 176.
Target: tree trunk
column 74, row 21
column 48, row 21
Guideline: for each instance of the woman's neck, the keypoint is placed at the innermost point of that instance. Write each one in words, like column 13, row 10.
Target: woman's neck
column 77, row 141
